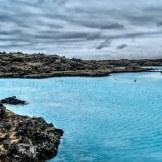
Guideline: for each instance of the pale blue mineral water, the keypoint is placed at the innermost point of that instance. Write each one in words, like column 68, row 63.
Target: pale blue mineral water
column 109, row 119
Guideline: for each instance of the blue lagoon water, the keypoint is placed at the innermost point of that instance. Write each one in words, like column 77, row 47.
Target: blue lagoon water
column 109, row 119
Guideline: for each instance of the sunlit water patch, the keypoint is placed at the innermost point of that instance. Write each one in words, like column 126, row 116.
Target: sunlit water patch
column 109, row 119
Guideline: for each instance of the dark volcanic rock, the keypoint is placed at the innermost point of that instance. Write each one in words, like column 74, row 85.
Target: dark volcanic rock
column 27, row 139
column 13, row 101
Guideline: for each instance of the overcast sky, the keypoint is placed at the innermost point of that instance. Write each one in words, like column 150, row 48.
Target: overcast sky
column 105, row 29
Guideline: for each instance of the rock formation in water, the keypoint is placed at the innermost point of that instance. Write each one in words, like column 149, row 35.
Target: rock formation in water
column 23, row 138
column 13, row 101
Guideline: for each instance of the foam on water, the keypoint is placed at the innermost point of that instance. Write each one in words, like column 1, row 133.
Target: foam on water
column 105, row 119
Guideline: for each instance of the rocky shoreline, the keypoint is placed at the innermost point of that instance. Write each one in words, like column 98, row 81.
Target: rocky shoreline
column 19, row 65
column 24, row 139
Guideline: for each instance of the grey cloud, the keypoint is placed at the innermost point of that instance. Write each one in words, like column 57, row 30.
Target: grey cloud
column 159, row 23
column 122, row 46
column 103, row 26
column 154, row 9
column 145, row 16
column 107, row 41
column 67, row 35
column 96, row 23
column 104, row 44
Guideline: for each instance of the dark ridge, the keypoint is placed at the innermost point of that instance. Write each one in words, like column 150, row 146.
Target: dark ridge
column 19, row 65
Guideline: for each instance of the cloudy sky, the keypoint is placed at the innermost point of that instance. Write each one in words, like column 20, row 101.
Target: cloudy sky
column 103, row 29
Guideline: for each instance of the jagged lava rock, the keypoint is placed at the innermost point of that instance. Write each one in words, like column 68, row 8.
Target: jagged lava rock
column 13, row 101
column 27, row 139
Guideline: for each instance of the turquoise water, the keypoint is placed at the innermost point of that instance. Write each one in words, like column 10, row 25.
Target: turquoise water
column 109, row 119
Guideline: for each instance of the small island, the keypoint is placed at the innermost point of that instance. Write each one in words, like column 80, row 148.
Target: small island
column 19, row 65
column 23, row 138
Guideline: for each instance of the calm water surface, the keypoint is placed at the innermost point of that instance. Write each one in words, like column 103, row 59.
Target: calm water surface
column 109, row 119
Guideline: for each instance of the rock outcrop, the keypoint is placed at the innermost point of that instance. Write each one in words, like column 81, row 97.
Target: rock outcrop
column 24, row 139
column 13, row 101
